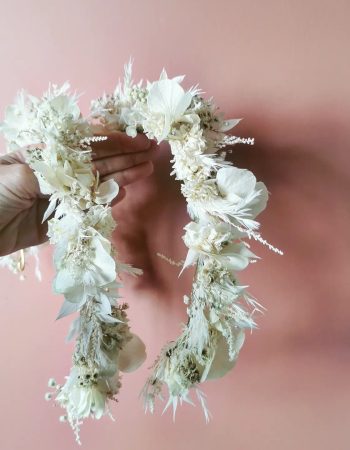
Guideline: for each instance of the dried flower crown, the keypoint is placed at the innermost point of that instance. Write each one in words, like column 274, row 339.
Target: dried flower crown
column 223, row 203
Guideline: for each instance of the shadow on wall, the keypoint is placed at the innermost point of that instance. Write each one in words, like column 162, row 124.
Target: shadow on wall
column 308, row 216
column 307, row 290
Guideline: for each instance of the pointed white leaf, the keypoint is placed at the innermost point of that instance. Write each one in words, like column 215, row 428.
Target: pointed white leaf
column 50, row 209
column 66, row 309
column 229, row 124
column 191, row 258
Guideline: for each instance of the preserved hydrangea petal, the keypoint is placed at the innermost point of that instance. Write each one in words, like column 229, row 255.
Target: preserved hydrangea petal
column 239, row 187
column 107, row 191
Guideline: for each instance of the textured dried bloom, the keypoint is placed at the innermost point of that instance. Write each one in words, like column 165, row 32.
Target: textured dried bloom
column 85, row 395
column 215, row 240
column 20, row 126
column 167, row 101
column 87, row 262
column 246, row 196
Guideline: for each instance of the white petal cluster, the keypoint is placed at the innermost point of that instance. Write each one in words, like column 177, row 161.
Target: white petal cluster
column 223, row 203
column 80, row 226
column 20, row 127
column 216, row 240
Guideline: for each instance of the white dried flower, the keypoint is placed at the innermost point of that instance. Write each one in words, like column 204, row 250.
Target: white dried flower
column 167, row 101
column 84, row 257
column 223, row 203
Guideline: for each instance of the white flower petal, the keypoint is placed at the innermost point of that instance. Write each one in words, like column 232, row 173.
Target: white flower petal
column 235, row 183
column 132, row 355
column 236, row 256
column 77, row 294
column 221, row 363
column 191, row 258
column 131, row 131
column 107, row 191
column 260, row 201
column 167, row 97
column 66, row 309
column 105, row 305
column 240, row 188
column 104, row 271
column 99, row 402
column 64, row 282
column 229, row 124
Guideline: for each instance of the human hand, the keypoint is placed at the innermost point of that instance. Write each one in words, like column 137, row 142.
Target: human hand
column 22, row 206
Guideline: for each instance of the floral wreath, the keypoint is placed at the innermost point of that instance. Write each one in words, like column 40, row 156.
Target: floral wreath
column 223, row 203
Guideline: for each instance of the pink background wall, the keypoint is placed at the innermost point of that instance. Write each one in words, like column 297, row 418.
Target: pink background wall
column 284, row 66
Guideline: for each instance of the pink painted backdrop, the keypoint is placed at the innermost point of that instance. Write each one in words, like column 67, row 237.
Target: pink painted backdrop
column 283, row 65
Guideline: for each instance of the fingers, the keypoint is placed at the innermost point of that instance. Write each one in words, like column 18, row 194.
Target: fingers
column 18, row 184
column 132, row 174
column 120, row 143
column 119, row 162
column 13, row 158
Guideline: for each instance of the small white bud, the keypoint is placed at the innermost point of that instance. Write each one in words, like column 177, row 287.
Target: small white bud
column 63, row 419
column 48, row 396
column 51, row 382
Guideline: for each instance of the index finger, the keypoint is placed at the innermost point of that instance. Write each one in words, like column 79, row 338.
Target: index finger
column 119, row 142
